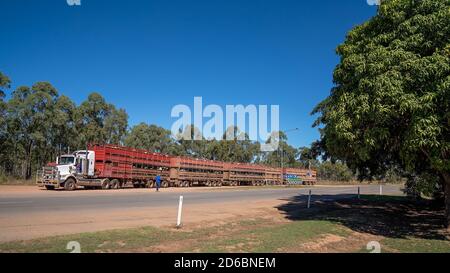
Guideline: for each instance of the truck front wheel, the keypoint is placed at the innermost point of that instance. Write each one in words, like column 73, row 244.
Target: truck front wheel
column 70, row 184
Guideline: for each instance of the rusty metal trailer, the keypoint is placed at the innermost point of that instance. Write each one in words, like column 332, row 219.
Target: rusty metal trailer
column 127, row 165
column 188, row 172
column 273, row 176
column 242, row 174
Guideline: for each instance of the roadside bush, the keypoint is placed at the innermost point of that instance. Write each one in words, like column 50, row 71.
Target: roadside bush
column 393, row 176
column 334, row 171
column 426, row 185
column 3, row 178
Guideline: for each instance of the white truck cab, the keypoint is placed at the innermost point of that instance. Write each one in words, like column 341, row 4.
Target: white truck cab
column 68, row 168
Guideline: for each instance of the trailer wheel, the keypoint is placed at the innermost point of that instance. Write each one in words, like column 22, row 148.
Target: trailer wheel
column 70, row 184
column 115, row 184
column 106, row 185
column 165, row 184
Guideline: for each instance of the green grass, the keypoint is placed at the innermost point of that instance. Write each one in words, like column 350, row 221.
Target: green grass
column 104, row 241
column 267, row 238
column 255, row 236
column 415, row 245
column 260, row 235
column 411, row 245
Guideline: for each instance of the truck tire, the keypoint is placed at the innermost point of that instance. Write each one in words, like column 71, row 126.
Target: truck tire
column 105, row 184
column 70, row 184
column 115, row 184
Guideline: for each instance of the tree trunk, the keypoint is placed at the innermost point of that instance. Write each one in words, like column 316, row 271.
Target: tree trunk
column 446, row 177
column 29, row 159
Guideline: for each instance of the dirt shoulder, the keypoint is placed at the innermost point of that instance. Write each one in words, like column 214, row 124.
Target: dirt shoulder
column 38, row 225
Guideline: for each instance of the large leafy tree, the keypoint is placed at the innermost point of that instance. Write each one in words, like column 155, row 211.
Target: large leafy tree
column 90, row 119
column 235, row 146
column 116, row 124
column 36, row 125
column 100, row 122
column 64, row 132
column 390, row 103
column 30, row 119
column 285, row 155
column 152, row 138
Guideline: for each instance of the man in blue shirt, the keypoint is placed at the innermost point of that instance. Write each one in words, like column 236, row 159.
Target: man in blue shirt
column 158, row 182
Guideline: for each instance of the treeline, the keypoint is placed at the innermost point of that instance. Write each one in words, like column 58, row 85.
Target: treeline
column 37, row 124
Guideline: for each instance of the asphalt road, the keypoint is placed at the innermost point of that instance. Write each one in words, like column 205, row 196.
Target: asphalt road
column 79, row 201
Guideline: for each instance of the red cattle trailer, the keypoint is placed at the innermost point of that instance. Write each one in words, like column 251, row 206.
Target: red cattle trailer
column 187, row 172
column 128, row 165
column 273, row 176
column 240, row 174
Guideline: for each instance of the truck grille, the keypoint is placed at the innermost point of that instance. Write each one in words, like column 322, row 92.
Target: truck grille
column 48, row 176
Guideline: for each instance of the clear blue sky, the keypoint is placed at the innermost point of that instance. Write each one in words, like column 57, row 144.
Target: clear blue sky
column 147, row 56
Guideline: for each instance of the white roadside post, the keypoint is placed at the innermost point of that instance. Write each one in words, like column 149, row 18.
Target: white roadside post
column 180, row 209
column 381, row 189
column 309, row 199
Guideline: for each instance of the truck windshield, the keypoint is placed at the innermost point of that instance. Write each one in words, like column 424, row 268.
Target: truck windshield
column 66, row 160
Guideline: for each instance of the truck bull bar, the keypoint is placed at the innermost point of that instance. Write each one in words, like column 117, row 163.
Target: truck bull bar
column 48, row 176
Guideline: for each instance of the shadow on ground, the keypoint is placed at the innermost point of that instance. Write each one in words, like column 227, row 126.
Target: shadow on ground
column 393, row 217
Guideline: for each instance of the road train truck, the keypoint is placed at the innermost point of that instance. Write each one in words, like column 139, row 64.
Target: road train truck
column 106, row 167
